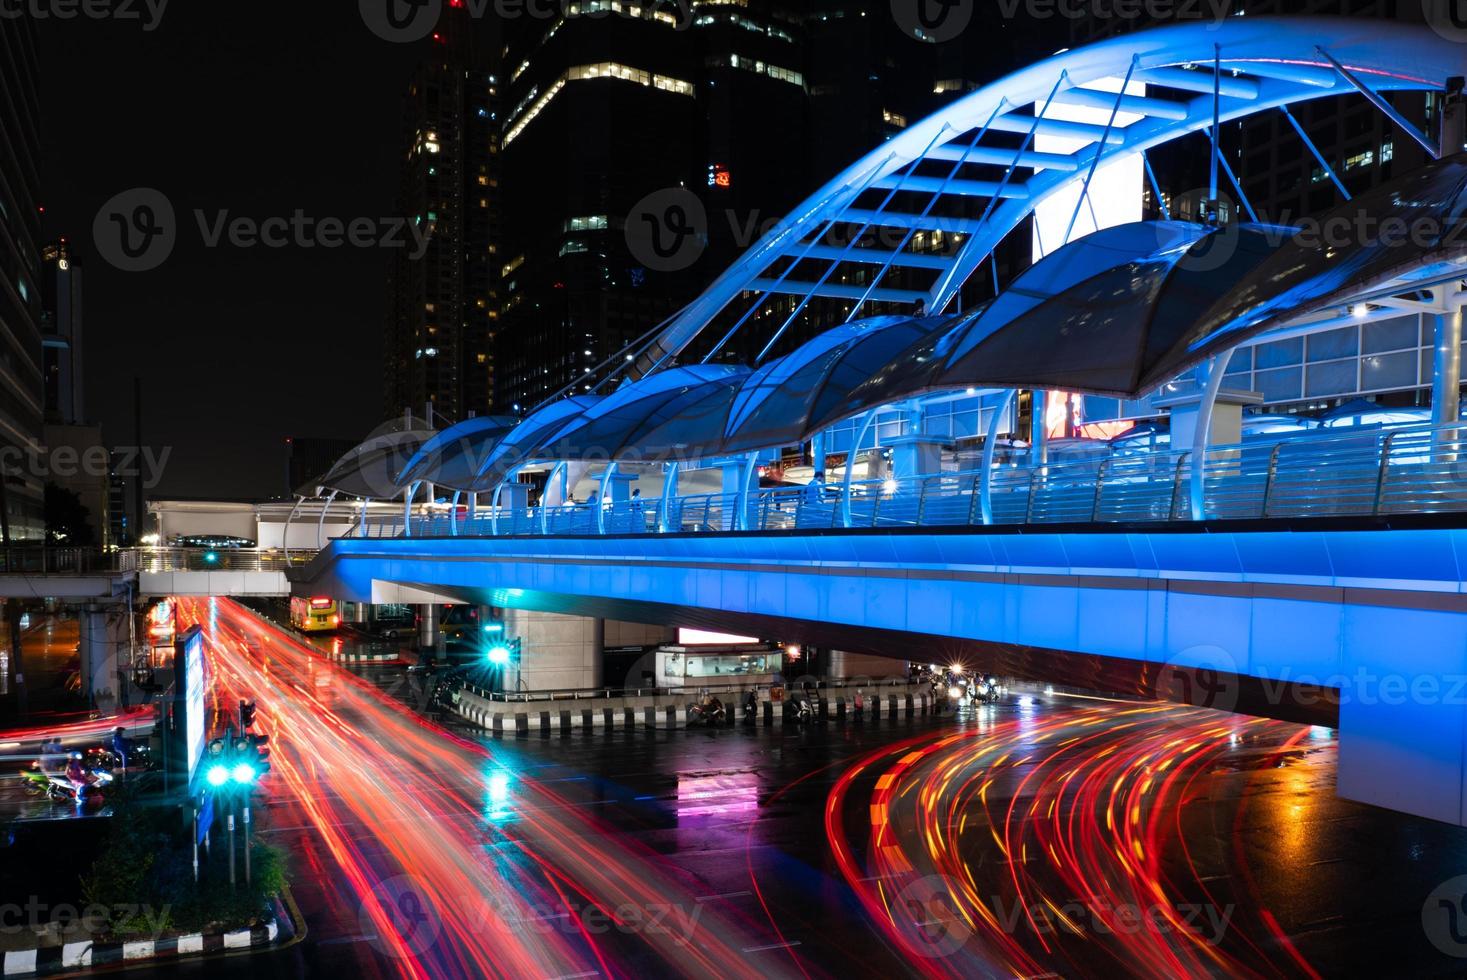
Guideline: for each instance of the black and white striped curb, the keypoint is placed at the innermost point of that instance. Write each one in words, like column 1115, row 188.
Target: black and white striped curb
column 602, row 713
column 353, row 657
column 70, row 957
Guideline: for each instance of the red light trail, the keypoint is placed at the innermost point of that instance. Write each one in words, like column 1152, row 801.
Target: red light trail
column 1055, row 844
column 463, row 853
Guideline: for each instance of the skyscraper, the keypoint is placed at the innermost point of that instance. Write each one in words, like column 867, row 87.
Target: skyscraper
column 20, row 267
column 646, row 146
column 443, row 304
column 61, row 334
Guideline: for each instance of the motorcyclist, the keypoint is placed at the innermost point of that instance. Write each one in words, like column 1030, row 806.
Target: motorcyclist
column 76, row 775
column 751, row 703
column 53, row 756
column 119, row 746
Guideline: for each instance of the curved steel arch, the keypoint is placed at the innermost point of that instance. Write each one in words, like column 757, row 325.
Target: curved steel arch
column 1265, row 63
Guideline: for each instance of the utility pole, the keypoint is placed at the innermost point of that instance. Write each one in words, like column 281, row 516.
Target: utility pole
column 137, row 433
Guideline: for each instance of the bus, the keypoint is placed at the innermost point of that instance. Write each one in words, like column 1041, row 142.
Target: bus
column 315, row 615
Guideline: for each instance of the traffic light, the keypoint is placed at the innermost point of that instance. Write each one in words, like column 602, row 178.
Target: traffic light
column 236, row 761
column 502, row 652
column 246, row 715
column 216, row 764
column 260, row 753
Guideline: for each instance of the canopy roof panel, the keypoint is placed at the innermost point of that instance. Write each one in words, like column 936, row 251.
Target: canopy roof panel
column 620, row 425
column 1395, row 229
column 452, row 457
column 535, row 433
column 373, row 468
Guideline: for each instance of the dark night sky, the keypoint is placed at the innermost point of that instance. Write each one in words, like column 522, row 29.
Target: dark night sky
column 260, row 109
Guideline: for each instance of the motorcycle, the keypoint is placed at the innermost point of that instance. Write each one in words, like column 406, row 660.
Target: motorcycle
column 34, row 781
column 708, row 713
column 63, row 790
column 987, row 690
column 751, row 706
column 804, row 711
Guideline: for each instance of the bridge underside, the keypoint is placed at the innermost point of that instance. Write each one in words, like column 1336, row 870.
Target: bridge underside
column 1288, row 623
column 1308, row 703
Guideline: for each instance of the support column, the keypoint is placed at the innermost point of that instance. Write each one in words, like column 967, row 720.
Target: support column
column 1446, row 369
column 817, row 452
column 428, row 626
column 1038, row 428
column 103, row 635
column 557, row 653
column 915, row 455
column 735, row 485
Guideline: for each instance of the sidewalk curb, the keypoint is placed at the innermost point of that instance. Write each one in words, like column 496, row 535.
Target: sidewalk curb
column 74, row 958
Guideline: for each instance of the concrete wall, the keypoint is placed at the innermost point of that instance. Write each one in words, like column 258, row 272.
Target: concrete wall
column 557, row 652
column 845, row 664
column 213, row 583
column 620, row 634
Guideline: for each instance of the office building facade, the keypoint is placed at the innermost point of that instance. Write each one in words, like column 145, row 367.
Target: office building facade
column 20, row 278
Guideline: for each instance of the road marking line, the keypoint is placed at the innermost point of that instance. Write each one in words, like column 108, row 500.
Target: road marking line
column 714, row 898
column 760, row 949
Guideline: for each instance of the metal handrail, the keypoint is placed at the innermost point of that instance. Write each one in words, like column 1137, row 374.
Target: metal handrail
column 1355, row 471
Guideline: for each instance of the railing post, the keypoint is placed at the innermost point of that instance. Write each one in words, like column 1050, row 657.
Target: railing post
column 922, row 501
column 975, row 501
column 1099, row 486
column 990, row 445
column 1268, row 480
column 1177, row 486
column 1029, row 504
column 1383, row 472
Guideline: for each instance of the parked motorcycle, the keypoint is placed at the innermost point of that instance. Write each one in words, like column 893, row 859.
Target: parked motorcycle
column 34, row 780
column 708, row 712
column 804, row 710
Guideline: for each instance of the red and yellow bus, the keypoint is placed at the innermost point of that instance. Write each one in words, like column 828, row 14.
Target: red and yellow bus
column 315, row 615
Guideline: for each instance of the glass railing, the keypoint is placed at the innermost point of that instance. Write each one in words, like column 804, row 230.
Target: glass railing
column 1359, row 472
